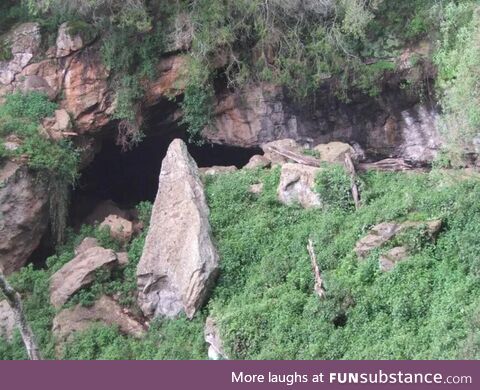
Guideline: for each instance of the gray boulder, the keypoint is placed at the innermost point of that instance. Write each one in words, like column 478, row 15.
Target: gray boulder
column 80, row 272
column 179, row 261
column 297, row 183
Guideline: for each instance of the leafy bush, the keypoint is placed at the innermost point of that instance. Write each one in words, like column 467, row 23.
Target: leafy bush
column 458, row 60
column 333, row 184
column 21, row 115
column 367, row 314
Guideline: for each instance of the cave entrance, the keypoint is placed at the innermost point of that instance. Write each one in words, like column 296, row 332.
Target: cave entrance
column 129, row 177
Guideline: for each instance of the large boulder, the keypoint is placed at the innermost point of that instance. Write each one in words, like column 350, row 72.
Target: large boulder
column 179, row 261
column 297, row 184
column 120, row 229
column 7, row 321
column 105, row 310
column 23, row 215
column 335, row 152
column 80, row 272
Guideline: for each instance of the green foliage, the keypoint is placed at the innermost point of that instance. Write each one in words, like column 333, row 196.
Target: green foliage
column 367, row 314
column 333, row 184
column 21, row 115
column 5, row 50
column 197, row 103
column 458, row 60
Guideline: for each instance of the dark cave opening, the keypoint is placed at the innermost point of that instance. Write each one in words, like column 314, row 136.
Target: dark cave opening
column 129, row 177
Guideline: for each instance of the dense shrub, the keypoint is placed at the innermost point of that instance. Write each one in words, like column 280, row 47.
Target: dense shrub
column 367, row 314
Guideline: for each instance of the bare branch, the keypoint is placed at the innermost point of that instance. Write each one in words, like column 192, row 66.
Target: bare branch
column 13, row 299
column 318, row 287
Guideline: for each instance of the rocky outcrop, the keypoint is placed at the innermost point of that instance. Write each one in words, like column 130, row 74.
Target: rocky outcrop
column 120, row 229
column 335, row 152
column 24, row 42
column 105, row 311
column 68, row 43
column 297, row 183
column 395, row 124
column 257, row 162
column 212, row 337
column 87, row 243
column 23, row 215
column 389, row 259
column 385, row 231
column 80, row 272
column 7, row 321
column 179, row 261
column 170, row 80
column 251, row 117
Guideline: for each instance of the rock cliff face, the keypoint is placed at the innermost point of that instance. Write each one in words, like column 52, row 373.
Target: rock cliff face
column 23, row 215
column 179, row 261
column 71, row 72
column 394, row 124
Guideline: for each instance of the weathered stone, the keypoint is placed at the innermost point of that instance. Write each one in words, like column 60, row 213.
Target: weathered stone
column 377, row 236
column 271, row 149
column 23, row 215
column 66, row 42
column 87, row 243
column 385, row 231
column 105, row 310
column 251, row 116
column 179, row 261
column 24, row 41
column 217, row 169
column 297, row 182
column 388, row 260
column 170, row 81
column 335, row 152
column 212, row 337
column 7, row 321
column 79, row 272
column 120, row 228
column 256, row 188
column 86, row 94
column 36, row 83
column 257, row 162
column 59, row 126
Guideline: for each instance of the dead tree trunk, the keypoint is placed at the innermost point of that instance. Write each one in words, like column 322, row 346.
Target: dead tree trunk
column 318, row 287
column 350, row 167
column 13, row 299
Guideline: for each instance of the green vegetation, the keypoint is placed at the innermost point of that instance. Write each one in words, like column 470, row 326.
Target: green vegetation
column 426, row 308
column 458, row 60
column 20, row 116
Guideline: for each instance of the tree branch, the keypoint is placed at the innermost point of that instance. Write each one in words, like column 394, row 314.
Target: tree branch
column 318, row 287
column 13, row 299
